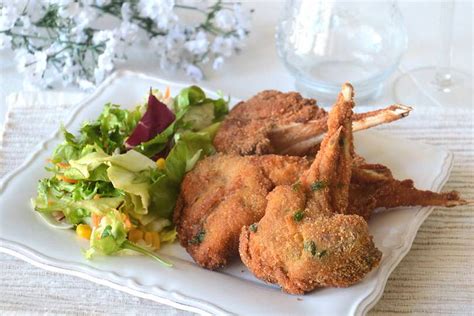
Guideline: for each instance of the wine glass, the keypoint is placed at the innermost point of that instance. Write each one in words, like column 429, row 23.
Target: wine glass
column 326, row 43
column 441, row 84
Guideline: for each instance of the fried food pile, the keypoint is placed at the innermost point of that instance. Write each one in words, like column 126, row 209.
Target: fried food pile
column 298, row 222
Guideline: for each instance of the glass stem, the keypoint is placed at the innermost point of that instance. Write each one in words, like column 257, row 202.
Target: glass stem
column 443, row 78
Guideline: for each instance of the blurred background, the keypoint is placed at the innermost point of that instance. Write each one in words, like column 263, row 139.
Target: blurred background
column 258, row 66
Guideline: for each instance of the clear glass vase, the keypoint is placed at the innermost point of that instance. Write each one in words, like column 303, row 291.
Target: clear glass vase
column 326, row 43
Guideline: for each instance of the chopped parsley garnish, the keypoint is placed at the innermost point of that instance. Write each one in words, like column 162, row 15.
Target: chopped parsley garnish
column 106, row 232
column 318, row 185
column 298, row 216
column 296, row 186
column 310, row 246
column 199, row 238
column 253, row 227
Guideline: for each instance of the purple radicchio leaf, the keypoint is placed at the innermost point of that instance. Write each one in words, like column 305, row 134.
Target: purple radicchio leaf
column 155, row 120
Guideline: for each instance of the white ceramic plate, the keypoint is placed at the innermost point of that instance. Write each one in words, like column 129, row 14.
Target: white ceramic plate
column 186, row 286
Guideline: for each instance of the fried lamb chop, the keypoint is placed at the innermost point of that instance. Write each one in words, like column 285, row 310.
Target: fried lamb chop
column 274, row 122
column 224, row 192
column 320, row 247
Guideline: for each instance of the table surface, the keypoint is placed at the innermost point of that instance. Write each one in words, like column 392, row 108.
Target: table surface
column 28, row 289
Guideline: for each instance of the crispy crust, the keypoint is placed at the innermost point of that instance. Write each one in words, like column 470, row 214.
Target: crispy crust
column 222, row 194
column 246, row 128
column 277, row 251
column 318, row 248
column 372, row 186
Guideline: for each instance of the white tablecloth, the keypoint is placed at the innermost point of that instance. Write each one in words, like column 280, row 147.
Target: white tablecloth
column 435, row 277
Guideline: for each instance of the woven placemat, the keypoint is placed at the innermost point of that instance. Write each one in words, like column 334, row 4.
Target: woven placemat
column 436, row 277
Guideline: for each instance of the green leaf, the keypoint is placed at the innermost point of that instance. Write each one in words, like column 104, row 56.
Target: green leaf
column 109, row 236
column 108, row 132
column 106, row 232
column 189, row 148
column 168, row 235
column 189, row 96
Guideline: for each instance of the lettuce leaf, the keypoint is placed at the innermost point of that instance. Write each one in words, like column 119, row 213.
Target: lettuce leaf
column 109, row 236
column 108, row 132
column 189, row 148
column 76, row 201
column 194, row 112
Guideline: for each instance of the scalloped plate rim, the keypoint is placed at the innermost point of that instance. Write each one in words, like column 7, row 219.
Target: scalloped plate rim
column 132, row 287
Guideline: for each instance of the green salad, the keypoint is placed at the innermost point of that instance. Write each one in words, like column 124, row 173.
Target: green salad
column 116, row 182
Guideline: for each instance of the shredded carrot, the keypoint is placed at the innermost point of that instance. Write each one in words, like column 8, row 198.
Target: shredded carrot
column 63, row 165
column 65, row 179
column 95, row 219
column 167, row 92
column 127, row 222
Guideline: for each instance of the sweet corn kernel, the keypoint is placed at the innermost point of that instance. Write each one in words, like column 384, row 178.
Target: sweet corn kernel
column 148, row 237
column 135, row 235
column 161, row 163
column 83, row 231
column 156, row 241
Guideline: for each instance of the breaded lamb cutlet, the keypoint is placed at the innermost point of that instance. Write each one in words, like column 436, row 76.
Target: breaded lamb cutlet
column 320, row 247
column 274, row 122
column 223, row 193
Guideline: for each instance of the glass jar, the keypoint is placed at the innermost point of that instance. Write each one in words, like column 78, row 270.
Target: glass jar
column 326, row 43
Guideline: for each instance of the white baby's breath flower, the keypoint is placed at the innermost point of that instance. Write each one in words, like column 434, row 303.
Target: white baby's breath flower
column 199, row 45
column 5, row 41
column 160, row 11
column 69, row 10
column 55, row 47
column 105, row 62
column 40, row 62
column 99, row 75
column 25, row 21
column 225, row 20
column 63, row 51
column 102, row 36
column 22, row 58
column 83, row 18
column 223, row 46
column 217, row 64
column 9, row 14
column 194, row 72
column 85, row 84
column 79, row 37
column 69, row 70
column 242, row 16
column 127, row 31
column 126, row 11
column 102, row 2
